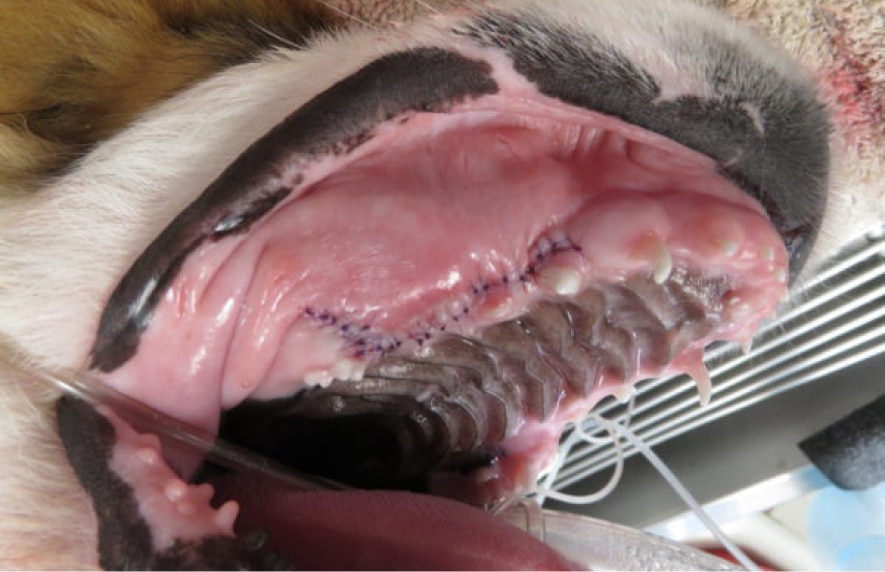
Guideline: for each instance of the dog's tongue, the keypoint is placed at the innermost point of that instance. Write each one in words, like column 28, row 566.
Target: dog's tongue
column 383, row 530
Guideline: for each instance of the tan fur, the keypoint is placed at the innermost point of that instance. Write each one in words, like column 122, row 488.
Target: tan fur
column 75, row 72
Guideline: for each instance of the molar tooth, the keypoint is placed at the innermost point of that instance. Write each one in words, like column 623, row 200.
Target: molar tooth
column 767, row 254
column 563, row 281
column 320, row 377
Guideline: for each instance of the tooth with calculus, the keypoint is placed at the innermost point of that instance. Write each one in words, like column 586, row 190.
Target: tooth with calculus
column 564, row 281
column 654, row 250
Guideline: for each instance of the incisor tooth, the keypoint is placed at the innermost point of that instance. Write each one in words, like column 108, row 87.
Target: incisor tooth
column 148, row 456
column 563, row 281
column 175, row 490
column 226, row 515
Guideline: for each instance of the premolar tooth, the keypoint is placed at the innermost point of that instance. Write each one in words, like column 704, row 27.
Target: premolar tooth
column 563, row 281
column 624, row 392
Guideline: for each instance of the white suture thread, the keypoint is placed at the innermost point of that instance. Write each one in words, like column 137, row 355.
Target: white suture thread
column 579, row 434
column 616, row 432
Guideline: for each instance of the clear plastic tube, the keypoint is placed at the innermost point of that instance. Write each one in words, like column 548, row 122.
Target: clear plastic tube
column 598, row 545
column 145, row 418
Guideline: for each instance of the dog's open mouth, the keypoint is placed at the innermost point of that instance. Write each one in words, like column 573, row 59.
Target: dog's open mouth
column 418, row 291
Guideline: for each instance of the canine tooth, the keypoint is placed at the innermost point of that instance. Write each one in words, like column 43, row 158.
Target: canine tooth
column 320, row 377
column 226, row 515
column 563, row 281
column 747, row 346
column 656, row 251
column 698, row 372
column 175, row 490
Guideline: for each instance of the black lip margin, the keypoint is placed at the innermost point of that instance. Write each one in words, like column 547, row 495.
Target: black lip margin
column 785, row 167
column 336, row 121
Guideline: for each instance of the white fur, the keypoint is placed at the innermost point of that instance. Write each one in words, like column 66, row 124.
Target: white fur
column 63, row 249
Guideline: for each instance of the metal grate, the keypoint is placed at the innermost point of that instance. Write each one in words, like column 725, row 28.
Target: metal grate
column 833, row 321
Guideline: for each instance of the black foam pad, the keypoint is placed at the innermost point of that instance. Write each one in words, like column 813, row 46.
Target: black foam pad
column 851, row 451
